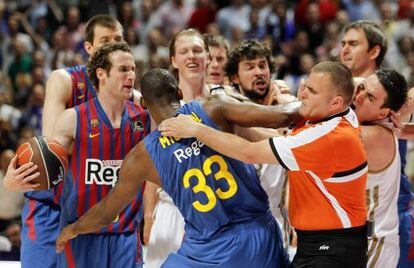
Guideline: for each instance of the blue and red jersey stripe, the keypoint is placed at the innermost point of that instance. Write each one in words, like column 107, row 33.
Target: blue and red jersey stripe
column 96, row 140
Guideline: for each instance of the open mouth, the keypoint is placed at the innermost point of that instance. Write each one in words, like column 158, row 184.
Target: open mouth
column 192, row 66
column 260, row 85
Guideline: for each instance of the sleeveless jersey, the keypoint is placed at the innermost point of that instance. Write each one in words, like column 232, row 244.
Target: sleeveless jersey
column 382, row 194
column 82, row 90
column 98, row 151
column 212, row 191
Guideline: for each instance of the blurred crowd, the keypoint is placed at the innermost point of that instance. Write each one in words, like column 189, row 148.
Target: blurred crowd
column 42, row 35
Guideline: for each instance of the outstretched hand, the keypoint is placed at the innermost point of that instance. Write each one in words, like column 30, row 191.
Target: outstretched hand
column 20, row 179
column 65, row 235
column 181, row 126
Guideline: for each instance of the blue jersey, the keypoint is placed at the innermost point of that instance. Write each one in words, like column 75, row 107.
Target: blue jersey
column 97, row 155
column 213, row 192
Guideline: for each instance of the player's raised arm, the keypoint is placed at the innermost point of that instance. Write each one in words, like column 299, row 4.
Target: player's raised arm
column 58, row 91
column 225, row 143
column 131, row 177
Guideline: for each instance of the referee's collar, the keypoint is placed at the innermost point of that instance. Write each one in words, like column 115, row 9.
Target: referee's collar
column 331, row 117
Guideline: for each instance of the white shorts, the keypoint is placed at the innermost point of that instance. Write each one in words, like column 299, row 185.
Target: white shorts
column 383, row 252
column 167, row 232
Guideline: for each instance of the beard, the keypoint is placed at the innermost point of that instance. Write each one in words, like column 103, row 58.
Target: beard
column 254, row 95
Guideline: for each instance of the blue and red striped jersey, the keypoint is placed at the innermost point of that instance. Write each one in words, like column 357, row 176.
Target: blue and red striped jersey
column 98, row 152
column 82, row 90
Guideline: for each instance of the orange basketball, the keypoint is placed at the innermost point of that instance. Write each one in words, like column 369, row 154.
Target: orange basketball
column 49, row 156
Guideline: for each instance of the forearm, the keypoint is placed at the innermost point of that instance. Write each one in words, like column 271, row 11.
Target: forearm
column 225, row 143
column 150, row 199
column 103, row 213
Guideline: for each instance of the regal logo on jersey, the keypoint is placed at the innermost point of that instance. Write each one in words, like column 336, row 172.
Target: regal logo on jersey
column 102, row 172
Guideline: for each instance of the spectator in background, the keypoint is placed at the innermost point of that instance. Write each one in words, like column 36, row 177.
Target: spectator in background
column 73, row 29
column 306, row 62
column 280, row 24
column 7, row 111
column 235, row 15
column 126, row 17
column 313, row 25
column 171, row 17
column 327, row 10
column 32, row 115
column 13, row 234
column 255, row 30
column 21, row 63
column 203, row 15
column 14, row 33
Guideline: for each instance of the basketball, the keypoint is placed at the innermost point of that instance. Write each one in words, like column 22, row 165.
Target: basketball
column 49, row 156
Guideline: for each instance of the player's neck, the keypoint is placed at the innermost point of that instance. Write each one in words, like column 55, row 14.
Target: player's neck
column 113, row 108
column 168, row 111
column 193, row 89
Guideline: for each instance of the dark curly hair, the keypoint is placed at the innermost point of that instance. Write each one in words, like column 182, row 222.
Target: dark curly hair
column 395, row 86
column 101, row 59
column 250, row 50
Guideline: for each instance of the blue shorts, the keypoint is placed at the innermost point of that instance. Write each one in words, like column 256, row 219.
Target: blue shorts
column 103, row 250
column 406, row 220
column 40, row 229
column 254, row 244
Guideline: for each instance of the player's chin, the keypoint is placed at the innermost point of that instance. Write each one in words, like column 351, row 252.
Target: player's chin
column 127, row 93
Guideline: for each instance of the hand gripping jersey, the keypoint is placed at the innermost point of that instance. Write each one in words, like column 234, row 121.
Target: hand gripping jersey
column 40, row 215
column 212, row 191
column 98, row 151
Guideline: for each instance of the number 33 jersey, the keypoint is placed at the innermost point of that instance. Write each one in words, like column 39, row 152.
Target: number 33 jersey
column 212, row 191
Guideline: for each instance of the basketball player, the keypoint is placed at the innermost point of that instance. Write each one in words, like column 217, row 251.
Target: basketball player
column 326, row 165
column 250, row 67
column 98, row 134
column 163, row 222
column 65, row 88
column 382, row 92
column 228, row 223
column 364, row 47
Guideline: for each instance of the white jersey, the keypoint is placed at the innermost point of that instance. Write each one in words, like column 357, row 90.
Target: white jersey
column 274, row 181
column 382, row 195
column 167, row 232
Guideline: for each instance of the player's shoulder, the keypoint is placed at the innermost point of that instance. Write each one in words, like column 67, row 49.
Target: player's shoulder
column 60, row 78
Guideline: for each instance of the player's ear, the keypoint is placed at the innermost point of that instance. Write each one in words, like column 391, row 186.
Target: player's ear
column 180, row 95
column 384, row 112
column 88, row 47
column 235, row 79
column 375, row 51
